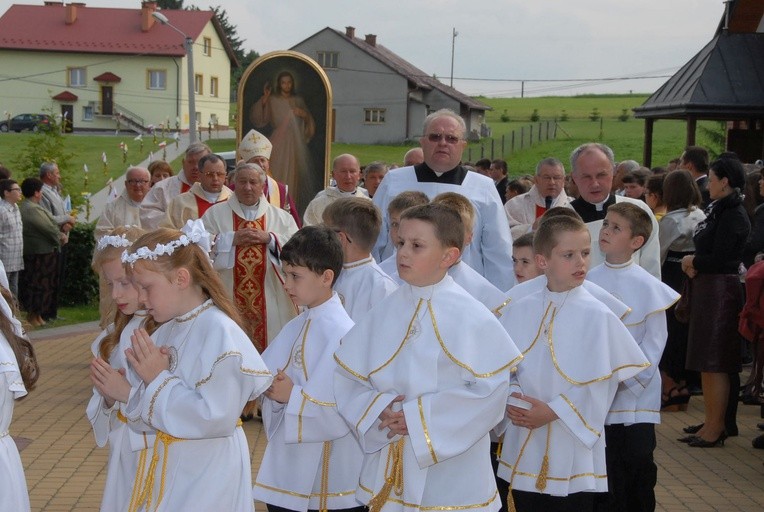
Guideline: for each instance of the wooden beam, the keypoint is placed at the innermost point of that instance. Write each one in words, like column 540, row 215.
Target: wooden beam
column 647, row 149
column 691, row 127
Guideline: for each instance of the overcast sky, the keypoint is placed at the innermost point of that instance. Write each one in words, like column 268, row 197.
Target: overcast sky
column 501, row 40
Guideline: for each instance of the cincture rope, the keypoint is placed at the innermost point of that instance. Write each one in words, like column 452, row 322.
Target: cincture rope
column 393, row 476
column 145, row 494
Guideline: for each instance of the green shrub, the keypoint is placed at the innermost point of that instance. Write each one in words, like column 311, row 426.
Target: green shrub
column 564, row 116
column 80, row 284
column 535, row 115
column 595, row 115
column 624, row 115
column 505, row 117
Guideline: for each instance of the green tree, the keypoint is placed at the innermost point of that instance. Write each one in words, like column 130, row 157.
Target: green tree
column 45, row 146
column 170, row 4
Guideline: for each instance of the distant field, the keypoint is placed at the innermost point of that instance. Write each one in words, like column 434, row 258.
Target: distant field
column 626, row 139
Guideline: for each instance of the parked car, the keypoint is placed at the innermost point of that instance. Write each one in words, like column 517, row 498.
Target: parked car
column 21, row 122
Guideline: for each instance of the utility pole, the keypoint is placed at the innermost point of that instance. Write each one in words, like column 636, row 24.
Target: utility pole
column 453, row 45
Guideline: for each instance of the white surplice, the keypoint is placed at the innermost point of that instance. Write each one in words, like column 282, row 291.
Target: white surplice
column 538, row 283
column 638, row 399
column 490, row 252
column 361, row 285
column 218, row 220
column 451, row 359
column 202, row 455
column 575, row 353
column 311, row 455
column 122, row 211
column 521, row 210
column 14, row 496
column 154, row 204
column 127, row 443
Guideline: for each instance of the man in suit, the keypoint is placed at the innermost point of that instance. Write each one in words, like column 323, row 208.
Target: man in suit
column 498, row 173
column 695, row 159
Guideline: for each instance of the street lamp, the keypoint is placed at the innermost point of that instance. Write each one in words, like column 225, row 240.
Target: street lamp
column 189, row 44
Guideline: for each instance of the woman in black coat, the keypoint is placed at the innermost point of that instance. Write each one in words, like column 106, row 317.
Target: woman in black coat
column 716, row 296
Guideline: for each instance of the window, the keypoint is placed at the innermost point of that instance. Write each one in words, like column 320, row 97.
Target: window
column 156, row 79
column 207, row 48
column 374, row 115
column 199, row 84
column 87, row 113
column 76, row 77
column 214, row 86
column 327, row 59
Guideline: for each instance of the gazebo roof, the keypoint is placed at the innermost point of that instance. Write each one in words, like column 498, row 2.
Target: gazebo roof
column 725, row 80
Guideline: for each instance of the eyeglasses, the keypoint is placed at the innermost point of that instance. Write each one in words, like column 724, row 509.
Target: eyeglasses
column 437, row 137
column 211, row 174
column 14, row 190
column 552, row 178
column 136, row 182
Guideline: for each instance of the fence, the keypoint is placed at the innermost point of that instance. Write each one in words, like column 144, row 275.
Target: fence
column 508, row 143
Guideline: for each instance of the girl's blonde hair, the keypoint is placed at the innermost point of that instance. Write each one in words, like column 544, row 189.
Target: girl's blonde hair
column 22, row 348
column 105, row 255
column 192, row 258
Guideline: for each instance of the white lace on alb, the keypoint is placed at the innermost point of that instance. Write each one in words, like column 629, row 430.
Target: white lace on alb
column 193, row 233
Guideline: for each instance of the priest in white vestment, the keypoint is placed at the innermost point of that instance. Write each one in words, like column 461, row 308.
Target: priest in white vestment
column 125, row 210
column 154, row 205
column 346, row 171
column 210, row 189
column 249, row 233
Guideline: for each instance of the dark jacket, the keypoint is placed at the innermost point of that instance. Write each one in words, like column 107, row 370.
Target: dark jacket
column 720, row 239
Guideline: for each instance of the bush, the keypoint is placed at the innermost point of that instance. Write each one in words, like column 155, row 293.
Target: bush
column 624, row 115
column 564, row 116
column 535, row 115
column 80, row 284
column 505, row 117
column 595, row 115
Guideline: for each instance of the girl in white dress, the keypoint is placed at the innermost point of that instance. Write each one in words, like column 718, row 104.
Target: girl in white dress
column 111, row 377
column 194, row 388
column 18, row 374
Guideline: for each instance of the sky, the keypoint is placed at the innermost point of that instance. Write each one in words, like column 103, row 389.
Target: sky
column 499, row 42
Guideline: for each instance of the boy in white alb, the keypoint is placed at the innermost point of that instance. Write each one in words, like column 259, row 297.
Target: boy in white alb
column 462, row 274
column 630, row 424
column 423, row 378
column 394, row 209
column 312, row 461
column 361, row 284
column 575, row 354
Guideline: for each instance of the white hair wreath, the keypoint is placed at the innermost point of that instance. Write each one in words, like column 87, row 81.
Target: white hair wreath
column 193, row 233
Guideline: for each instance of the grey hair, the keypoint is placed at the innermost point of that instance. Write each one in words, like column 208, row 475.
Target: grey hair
column 375, row 167
column 243, row 165
column 47, row 168
column 630, row 165
column 136, row 168
column 196, row 148
column 445, row 112
column 550, row 161
column 588, row 146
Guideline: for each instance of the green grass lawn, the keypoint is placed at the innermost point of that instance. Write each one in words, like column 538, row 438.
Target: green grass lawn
column 71, row 315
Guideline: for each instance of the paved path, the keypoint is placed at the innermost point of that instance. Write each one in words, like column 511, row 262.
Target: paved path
column 65, row 470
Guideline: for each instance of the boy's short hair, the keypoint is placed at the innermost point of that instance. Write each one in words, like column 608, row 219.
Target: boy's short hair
column 356, row 216
column 316, row 248
column 639, row 221
column 639, row 176
column 460, row 205
column 524, row 241
column 407, row 199
column 546, row 236
column 517, row 186
column 449, row 229
column 560, row 211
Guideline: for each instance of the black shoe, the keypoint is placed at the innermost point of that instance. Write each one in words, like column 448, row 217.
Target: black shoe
column 692, row 429
column 760, row 426
column 758, row 442
column 687, row 439
column 732, row 431
column 699, row 442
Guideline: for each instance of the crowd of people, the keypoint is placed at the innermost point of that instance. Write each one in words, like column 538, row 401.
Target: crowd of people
column 441, row 338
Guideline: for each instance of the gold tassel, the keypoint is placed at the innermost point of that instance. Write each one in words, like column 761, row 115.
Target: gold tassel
column 393, row 477
column 511, row 502
column 544, row 471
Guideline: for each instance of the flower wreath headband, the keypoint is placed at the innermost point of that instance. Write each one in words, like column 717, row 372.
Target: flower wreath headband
column 193, row 233
column 113, row 241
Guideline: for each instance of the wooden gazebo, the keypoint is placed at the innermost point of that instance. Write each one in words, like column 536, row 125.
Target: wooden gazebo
column 723, row 82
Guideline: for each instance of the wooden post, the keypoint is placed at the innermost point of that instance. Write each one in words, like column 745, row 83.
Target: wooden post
column 530, row 135
column 647, row 150
column 539, row 132
column 691, row 126
column 522, row 136
column 513, row 142
column 493, row 141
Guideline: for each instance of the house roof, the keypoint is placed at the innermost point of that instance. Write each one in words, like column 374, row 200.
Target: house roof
column 100, row 30
column 724, row 80
column 65, row 96
column 108, row 77
column 412, row 73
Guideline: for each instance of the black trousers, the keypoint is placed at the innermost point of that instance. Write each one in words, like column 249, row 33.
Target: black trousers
column 274, row 508
column 631, row 471
column 535, row 502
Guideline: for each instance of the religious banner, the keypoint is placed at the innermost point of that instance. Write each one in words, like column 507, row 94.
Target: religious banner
column 287, row 97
